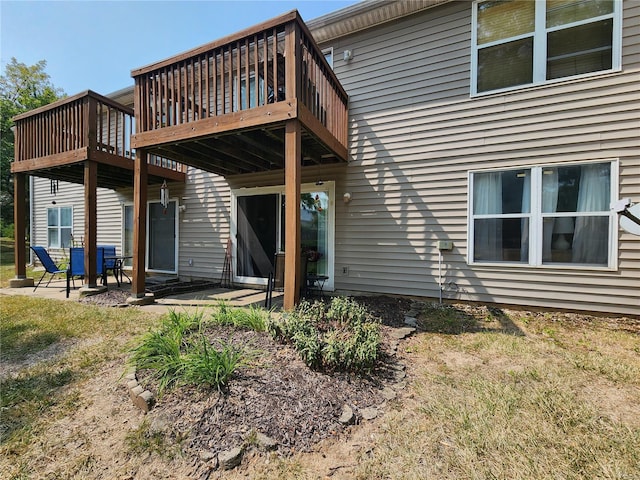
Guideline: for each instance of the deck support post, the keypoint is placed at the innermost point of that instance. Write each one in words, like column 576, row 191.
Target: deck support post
column 19, row 222
column 90, row 222
column 292, row 176
column 139, row 223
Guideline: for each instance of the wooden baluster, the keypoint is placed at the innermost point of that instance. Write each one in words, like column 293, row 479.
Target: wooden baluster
column 265, row 66
column 207, row 110
column 275, row 66
column 256, row 73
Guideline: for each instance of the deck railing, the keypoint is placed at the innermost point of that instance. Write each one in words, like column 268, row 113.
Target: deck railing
column 75, row 127
column 250, row 69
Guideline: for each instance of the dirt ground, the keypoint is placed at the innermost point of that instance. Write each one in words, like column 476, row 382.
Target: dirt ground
column 108, row 438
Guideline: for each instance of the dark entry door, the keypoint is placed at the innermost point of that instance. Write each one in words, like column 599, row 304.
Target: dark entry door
column 256, row 234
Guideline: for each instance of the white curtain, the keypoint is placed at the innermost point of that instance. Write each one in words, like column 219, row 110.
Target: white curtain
column 526, row 208
column 487, row 200
column 549, row 205
column 591, row 237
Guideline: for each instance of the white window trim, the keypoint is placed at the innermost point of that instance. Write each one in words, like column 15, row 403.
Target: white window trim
column 123, row 233
column 536, row 216
column 58, row 208
column 540, row 48
column 329, row 186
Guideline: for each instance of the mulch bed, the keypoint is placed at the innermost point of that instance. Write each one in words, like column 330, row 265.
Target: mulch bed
column 276, row 395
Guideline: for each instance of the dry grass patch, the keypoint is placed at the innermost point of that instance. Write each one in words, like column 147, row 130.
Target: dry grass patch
column 524, row 406
column 49, row 351
column 491, row 394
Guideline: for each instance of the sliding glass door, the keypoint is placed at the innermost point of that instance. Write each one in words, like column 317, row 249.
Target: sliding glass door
column 260, row 225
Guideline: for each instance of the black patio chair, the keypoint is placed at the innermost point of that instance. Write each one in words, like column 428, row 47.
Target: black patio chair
column 48, row 264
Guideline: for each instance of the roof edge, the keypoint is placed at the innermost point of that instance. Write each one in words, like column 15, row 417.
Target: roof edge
column 364, row 15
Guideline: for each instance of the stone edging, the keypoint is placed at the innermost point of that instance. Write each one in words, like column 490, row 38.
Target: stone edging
column 143, row 399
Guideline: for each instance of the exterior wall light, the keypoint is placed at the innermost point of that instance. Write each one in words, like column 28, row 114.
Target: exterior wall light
column 348, row 55
column 346, row 197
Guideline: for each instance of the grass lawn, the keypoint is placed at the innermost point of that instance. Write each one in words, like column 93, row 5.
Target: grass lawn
column 514, row 395
column 7, row 268
column 49, row 350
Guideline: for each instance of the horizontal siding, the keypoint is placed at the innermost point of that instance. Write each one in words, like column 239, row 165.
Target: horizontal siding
column 204, row 225
column 415, row 134
column 109, row 230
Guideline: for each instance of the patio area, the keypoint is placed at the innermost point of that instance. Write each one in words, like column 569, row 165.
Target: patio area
column 116, row 296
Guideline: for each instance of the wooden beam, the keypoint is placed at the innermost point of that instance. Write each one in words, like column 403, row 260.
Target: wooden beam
column 49, row 161
column 293, row 63
column 255, row 117
column 90, row 222
column 292, row 177
column 139, row 223
column 19, row 223
column 185, row 154
column 166, row 173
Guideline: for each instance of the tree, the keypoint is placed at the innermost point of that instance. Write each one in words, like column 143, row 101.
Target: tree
column 22, row 88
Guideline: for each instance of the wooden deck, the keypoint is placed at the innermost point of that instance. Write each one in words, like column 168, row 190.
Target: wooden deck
column 262, row 99
column 54, row 141
column 222, row 107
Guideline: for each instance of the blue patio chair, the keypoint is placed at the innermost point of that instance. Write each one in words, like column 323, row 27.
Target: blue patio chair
column 48, row 264
column 110, row 262
column 76, row 265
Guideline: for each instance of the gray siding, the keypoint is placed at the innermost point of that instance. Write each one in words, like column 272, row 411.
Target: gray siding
column 204, row 225
column 415, row 134
column 72, row 195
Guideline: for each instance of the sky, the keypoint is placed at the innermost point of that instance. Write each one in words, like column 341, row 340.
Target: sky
column 95, row 44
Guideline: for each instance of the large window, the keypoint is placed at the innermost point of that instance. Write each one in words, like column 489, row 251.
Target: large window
column 525, row 42
column 59, row 227
column 543, row 215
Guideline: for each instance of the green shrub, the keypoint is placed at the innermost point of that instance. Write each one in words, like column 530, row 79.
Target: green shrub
column 341, row 336
column 7, row 230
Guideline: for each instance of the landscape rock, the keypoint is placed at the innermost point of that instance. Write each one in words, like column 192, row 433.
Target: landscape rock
column 145, row 401
column 347, row 417
column 266, row 442
column 206, row 455
column 399, row 375
column 389, row 394
column 400, row 385
column 135, row 391
column 402, row 333
column 411, row 321
column 230, row 459
column 369, row 413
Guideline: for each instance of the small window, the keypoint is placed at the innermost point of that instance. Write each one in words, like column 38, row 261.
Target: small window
column 522, row 42
column 328, row 56
column 59, row 227
column 543, row 215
